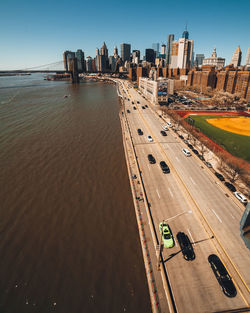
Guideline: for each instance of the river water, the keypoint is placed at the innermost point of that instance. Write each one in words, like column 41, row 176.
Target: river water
column 68, row 235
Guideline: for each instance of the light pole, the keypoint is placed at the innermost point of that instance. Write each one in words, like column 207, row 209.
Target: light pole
column 160, row 247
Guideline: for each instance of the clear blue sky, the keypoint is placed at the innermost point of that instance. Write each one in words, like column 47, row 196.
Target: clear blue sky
column 34, row 32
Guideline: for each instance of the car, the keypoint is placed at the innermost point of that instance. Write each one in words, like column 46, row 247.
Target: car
column 138, row 102
column 140, row 132
column 151, row 159
column 180, row 136
column 221, row 178
column 195, row 151
column 186, row 152
column 185, row 141
column 230, row 186
column 163, row 133
column 190, row 146
column 186, row 246
column 128, row 99
column 132, row 102
column 134, row 108
column 128, row 111
column 150, row 139
column 222, row 276
column 166, row 234
column 146, row 106
column 169, row 124
column 200, row 156
column 143, row 107
column 164, row 127
column 240, row 197
column 208, row 164
column 164, row 167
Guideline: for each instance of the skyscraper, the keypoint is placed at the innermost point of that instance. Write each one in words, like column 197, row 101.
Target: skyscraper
column 248, row 57
column 169, row 48
column 150, row 55
column 89, row 67
column 199, row 59
column 182, row 53
column 115, row 52
column 136, row 56
column 156, row 47
column 67, row 55
column 125, row 51
column 236, row 59
column 185, row 34
column 163, row 49
column 80, row 60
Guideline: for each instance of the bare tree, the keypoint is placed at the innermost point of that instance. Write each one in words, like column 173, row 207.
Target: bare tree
column 235, row 169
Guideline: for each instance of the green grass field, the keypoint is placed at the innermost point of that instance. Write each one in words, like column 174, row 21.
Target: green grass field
column 237, row 145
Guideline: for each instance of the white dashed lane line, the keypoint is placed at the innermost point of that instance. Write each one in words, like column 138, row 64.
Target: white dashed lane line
column 170, row 192
column 158, row 193
column 217, row 216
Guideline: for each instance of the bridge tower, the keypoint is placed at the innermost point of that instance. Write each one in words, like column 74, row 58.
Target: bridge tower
column 74, row 71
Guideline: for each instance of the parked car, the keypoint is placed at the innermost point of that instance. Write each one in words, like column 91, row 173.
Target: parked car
column 186, row 152
column 134, row 108
column 143, row 107
column 164, row 167
column 169, row 124
column 140, row 132
column 186, row 246
column 163, row 133
column 200, row 156
column 138, row 102
column 132, row 102
column 208, row 164
column 190, row 146
column 180, row 136
column 146, row 106
column 230, row 186
column 151, row 159
column 150, row 139
column 222, row 276
column 185, row 141
column 167, row 236
column 128, row 111
column 221, row 178
column 164, row 127
column 240, row 197
column 195, row 151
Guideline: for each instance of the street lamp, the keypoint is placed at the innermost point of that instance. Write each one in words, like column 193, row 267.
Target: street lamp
column 160, row 247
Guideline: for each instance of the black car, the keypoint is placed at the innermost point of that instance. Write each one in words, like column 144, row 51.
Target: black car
column 128, row 111
column 134, row 108
column 195, row 151
column 186, row 247
column 190, row 146
column 151, row 159
column 143, row 107
column 140, row 132
column 128, row 99
column 180, row 136
column 221, row 178
column 164, row 167
column 132, row 102
column 230, row 186
column 200, row 156
column 208, row 164
column 222, row 276
column 146, row 106
column 138, row 102
column 163, row 133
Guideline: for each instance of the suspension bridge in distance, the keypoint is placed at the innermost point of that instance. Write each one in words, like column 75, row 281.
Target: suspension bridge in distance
column 55, row 67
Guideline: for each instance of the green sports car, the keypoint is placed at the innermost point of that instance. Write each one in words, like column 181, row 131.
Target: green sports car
column 167, row 237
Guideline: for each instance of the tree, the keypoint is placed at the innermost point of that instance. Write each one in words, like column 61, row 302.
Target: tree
column 235, row 168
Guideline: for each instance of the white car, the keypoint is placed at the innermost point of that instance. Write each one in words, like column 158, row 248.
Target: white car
column 240, row 197
column 186, row 152
column 150, row 139
column 164, row 127
column 169, row 124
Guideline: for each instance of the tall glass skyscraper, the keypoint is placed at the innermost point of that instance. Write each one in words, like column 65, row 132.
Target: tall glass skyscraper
column 125, row 51
column 156, row 47
column 169, row 48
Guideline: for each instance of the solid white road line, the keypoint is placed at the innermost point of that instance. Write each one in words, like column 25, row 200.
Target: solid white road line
column 170, row 192
column 191, row 236
column 217, row 216
column 192, row 180
column 158, row 193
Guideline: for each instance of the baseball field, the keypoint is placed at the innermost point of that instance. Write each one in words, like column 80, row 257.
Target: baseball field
column 230, row 132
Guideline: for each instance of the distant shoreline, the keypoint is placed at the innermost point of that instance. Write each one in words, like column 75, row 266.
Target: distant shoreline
column 14, row 74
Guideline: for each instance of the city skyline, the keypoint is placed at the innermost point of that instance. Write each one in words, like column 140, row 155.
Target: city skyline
column 31, row 40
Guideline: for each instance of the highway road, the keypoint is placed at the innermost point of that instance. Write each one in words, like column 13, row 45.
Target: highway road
column 192, row 200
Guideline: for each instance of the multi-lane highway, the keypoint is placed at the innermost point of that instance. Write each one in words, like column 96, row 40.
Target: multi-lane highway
column 191, row 200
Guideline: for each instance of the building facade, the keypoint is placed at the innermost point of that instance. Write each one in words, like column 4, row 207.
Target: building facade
column 199, row 59
column 214, row 60
column 150, row 55
column 169, row 48
column 80, row 61
column 182, row 54
column 156, row 48
column 236, row 59
column 248, row 57
column 125, row 51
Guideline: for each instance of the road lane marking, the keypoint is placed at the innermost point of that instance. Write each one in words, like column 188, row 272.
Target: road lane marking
column 158, row 194
column 232, row 216
column 217, row 216
column 191, row 236
column 192, row 180
column 170, row 192
column 177, row 159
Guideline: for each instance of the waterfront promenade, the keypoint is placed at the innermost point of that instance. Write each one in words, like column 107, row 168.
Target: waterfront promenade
column 192, row 200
